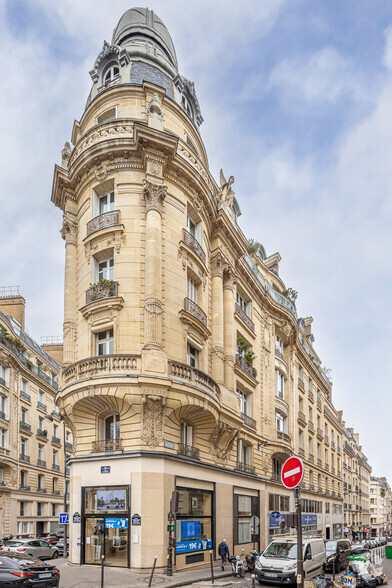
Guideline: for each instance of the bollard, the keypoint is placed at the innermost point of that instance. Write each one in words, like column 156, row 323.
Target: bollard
column 253, row 580
column 333, row 570
column 212, row 569
column 152, row 571
column 102, row 570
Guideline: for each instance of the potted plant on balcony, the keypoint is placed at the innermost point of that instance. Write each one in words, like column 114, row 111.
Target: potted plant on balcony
column 246, row 353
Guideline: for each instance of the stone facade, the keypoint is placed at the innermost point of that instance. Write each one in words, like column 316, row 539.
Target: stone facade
column 185, row 364
column 31, row 434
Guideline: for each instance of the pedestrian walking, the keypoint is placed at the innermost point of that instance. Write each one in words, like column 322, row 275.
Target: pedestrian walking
column 223, row 551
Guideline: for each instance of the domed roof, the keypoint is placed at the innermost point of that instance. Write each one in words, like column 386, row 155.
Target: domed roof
column 142, row 22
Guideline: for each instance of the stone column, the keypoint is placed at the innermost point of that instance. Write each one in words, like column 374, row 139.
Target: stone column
column 69, row 233
column 154, row 194
column 217, row 319
column 229, row 326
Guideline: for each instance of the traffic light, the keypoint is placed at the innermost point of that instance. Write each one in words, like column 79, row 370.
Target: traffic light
column 175, row 502
column 170, row 528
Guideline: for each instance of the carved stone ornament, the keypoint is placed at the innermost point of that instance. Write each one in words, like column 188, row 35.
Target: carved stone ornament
column 65, row 155
column 229, row 278
column 153, row 407
column 222, row 439
column 101, row 172
column 155, row 106
column 106, row 51
column 154, row 195
column 69, row 231
column 219, row 352
column 226, row 194
column 217, row 263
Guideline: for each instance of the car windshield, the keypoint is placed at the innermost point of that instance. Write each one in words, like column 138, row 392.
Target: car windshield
column 282, row 549
column 13, row 543
column 330, row 546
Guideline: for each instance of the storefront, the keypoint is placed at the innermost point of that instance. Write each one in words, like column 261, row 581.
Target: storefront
column 194, row 526
column 105, row 525
column 246, row 518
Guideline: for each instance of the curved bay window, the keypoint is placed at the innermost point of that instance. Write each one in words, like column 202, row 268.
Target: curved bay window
column 194, row 530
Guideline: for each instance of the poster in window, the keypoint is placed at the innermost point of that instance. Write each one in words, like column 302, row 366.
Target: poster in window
column 244, row 506
column 190, row 530
column 111, row 500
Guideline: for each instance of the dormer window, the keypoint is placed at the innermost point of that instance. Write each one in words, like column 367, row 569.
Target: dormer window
column 110, row 73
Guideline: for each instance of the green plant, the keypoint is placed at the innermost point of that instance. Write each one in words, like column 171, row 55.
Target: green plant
column 14, row 340
column 253, row 246
column 290, row 294
column 244, row 350
column 249, row 356
column 111, row 287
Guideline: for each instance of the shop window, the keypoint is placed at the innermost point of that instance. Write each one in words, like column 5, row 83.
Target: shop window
column 279, row 384
column 102, row 499
column 104, row 342
column 194, row 521
column 245, row 402
column 192, row 356
column 278, row 502
column 244, row 508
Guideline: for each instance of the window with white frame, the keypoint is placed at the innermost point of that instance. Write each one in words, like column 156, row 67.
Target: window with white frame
column 25, row 386
column 110, row 73
column 23, row 478
column 24, row 413
column 3, row 407
column 104, row 342
column 326, row 456
column 279, row 344
column 310, row 385
column 105, row 269
column 3, row 437
column 41, row 481
column 112, row 427
column 55, row 411
column 54, row 485
column 41, row 424
column 1, row 476
column 245, row 402
column 24, row 528
column 243, row 453
column 318, row 451
column 3, row 375
column 193, row 226
column 41, row 397
column 310, row 445
column 24, row 446
column 55, row 456
column 301, row 439
column 56, row 431
column 279, row 384
column 68, row 437
column 192, row 290
column 280, row 421
column 54, row 509
column 106, row 202
column 300, row 373
column 244, row 305
column 192, row 356
column 41, row 452
column 310, row 478
column 186, row 434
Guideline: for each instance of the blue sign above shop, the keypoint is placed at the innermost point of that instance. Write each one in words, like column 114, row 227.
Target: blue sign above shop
column 116, row 523
column 198, row 545
column 309, row 519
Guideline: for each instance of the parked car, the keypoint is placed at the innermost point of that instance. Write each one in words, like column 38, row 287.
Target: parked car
column 383, row 540
column 51, row 538
column 278, row 562
column 19, row 570
column 31, row 547
column 60, row 545
column 361, row 547
column 337, row 553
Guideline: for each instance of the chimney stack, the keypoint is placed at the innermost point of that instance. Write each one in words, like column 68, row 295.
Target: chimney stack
column 13, row 304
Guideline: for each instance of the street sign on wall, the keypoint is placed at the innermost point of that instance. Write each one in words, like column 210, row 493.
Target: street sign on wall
column 292, row 472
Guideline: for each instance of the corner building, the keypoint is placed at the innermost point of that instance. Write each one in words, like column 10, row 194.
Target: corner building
column 182, row 358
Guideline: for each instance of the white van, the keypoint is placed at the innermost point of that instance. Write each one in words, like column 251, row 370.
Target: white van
column 278, row 563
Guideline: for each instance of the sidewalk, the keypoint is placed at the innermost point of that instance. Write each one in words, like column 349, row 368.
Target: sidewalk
column 72, row 576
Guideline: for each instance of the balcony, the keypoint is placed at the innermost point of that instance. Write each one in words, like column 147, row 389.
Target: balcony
column 333, row 446
column 41, row 406
column 68, row 446
column 319, row 462
column 248, row 420
column 250, row 370
column 2, row 382
column 301, row 452
column 333, row 471
column 320, row 434
column 301, row 418
column 326, row 467
column 193, row 244
column 349, row 449
column 55, row 414
column 278, row 353
column 25, row 426
column 25, row 396
column 311, row 457
column 56, row 440
column 55, row 466
column 188, row 450
column 195, row 310
column 41, row 490
column 56, row 492
column 301, row 384
column 114, row 82
column 339, row 450
column 192, row 376
column 276, row 478
column 42, row 433
column 24, row 457
column 245, row 467
column 319, row 405
column 41, row 462
column 102, row 290
column 310, row 396
column 326, row 440
column 103, row 221
column 283, row 436
column 248, row 322
column 2, row 415
column 24, row 487
column 311, row 426
column 106, row 445
column 101, row 365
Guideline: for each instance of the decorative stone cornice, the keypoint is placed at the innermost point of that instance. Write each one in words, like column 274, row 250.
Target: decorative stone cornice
column 154, row 195
column 229, row 278
column 69, row 231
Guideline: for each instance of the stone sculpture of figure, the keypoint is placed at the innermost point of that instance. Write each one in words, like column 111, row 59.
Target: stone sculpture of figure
column 226, row 193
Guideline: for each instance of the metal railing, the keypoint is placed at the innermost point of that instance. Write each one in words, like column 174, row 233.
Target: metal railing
column 41, row 490
column 245, row 467
column 24, row 425
column 320, row 434
column 301, row 417
column 42, row 433
column 188, row 450
column 301, row 383
column 249, row 323
column 101, row 291
column 102, row 221
column 41, row 462
column 55, row 466
column 193, row 244
column 107, row 445
column 311, row 426
column 2, row 415
column 56, row 440
column 24, row 457
column 25, row 396
column 250, row 370
column 68, row 445
column 41, row 405
column 114, row 82
column 310, row 396
column 195, row 310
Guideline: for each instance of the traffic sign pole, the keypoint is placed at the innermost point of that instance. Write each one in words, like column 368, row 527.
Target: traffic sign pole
column 292, row 474
column 300, row 562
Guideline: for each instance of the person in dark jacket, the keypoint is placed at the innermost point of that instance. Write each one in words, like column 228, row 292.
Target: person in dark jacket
column 223, row 551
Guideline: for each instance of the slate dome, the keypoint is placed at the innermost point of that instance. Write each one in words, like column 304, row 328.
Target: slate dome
column 144, row 23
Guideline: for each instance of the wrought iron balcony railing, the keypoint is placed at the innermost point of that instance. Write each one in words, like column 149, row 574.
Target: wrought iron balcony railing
column 25, row 396
column 301, row 417
column 55, row 466
column 195, row 311
column 2, row 415
column 188, row 450
column 102, row 221
column 2, row 381
column 250, row 370
column 301, row 383
column 245, row 467
column 68, row 446
column 248, row 420
column 114, row 82
column 41, row 462
column 56, row 440
column 311, row 426
column 41, row 405
column 42, row 433
column 41, row 490
column 24, row 425
column 193, row 244
column 24, row 457
column 310, row 396
column 102, row 290
column 248, row 322
column 107, row 445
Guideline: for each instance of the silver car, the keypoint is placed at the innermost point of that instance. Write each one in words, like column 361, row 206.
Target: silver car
column 33, row 547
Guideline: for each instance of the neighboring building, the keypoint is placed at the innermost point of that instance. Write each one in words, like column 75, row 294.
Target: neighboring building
column 31, row 434
column 378, row 510
column 356, row 482
column 185, row 366
column 388, row 505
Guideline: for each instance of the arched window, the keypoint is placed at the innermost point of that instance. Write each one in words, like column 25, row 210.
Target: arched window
column 110, row 73
column 112, row 427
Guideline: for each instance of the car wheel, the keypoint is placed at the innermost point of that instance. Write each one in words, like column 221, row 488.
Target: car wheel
column 55, row 555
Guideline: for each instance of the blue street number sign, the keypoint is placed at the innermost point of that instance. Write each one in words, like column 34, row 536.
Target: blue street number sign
column 105, row 469
column 64, row 518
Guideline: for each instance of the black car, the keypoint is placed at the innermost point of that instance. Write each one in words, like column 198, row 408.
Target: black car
column 362, row 547
column 22, row 571
column 337, row 553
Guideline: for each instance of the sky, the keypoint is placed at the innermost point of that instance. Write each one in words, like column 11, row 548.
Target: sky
column 296, row 97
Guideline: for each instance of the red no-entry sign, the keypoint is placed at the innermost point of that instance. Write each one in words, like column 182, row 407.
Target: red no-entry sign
column 292, row 472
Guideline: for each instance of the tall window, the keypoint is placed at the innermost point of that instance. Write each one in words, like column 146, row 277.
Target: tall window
column 243, row 304
column 279, row 344
column 112, row 427
column 106, row 269
column 55, row 457
column 25, row 386
column 310, row 478
column 310, row 385
column 194, row 228
column 104, row 342
column 41, row 425
column 24, row 415
column 39, row 509
column 280, row 421
column 54, row 485
column 41, row 397
column 276, row 468
column 318, row 451
column 106, row 202
column 243, row 453
column 192, row 356
column 54, row 510
column 110, row 73
column 24, row 447
column 300, row 373
column 23, row 478
column 310, row 445
column 1, row 476
column 326, row 456
column 245, row 402
column 301, row 439
column 3, row 375
column 3, row 437
column 279, row 384
column 41, row 453
column 22, row 509
column 192, row 290
column 186, row 434
column 56, row 431
column 41, row 481
column 3, row 407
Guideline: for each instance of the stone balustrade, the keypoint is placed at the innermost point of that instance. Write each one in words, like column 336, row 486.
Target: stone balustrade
column 102, row 365
column 190, row 375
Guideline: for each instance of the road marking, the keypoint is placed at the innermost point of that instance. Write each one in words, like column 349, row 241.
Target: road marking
column 291, row 472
